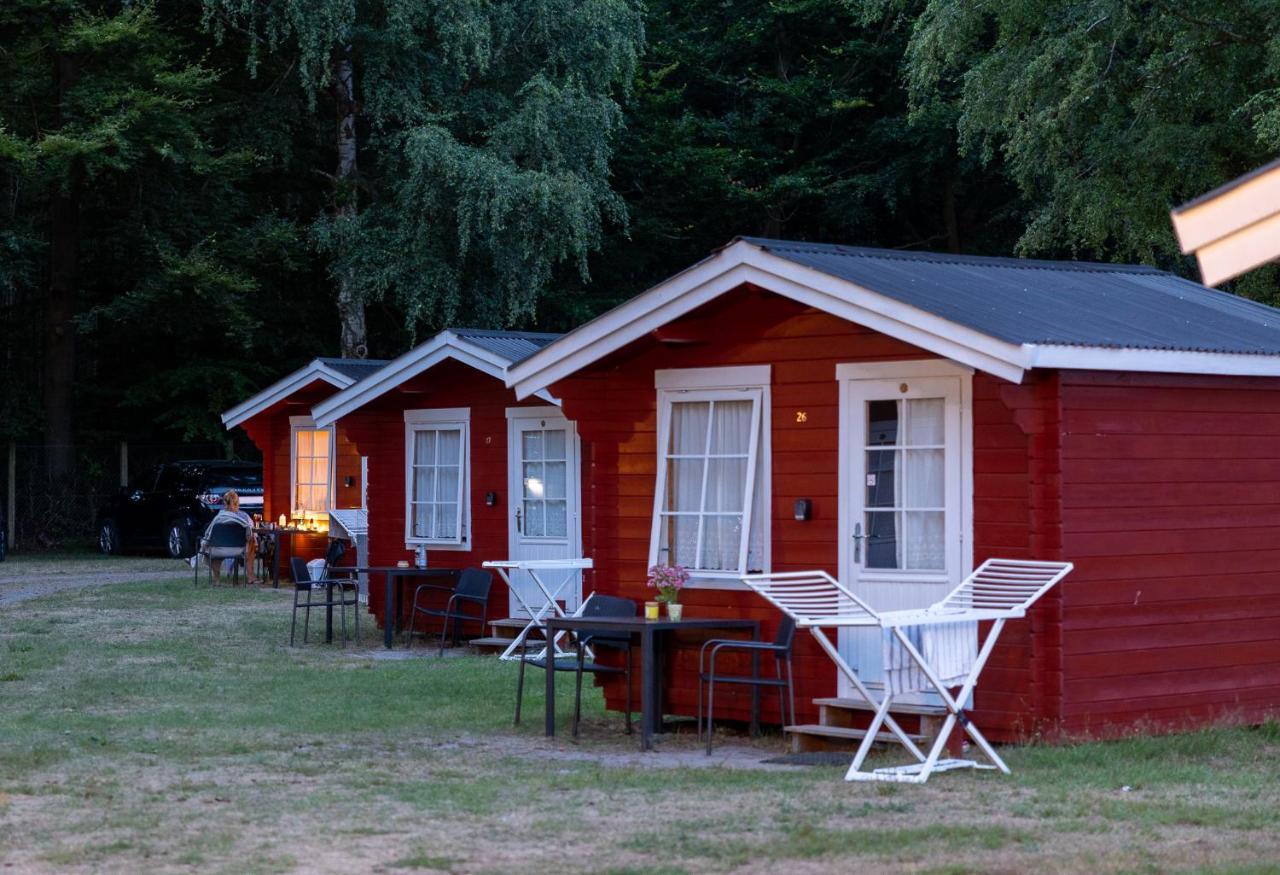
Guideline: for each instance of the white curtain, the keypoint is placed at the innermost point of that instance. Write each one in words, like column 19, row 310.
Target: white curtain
column 437, row 473
column 923, row 478
column 730, row 440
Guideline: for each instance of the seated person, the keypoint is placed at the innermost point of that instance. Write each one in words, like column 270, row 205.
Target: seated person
column 231, row 513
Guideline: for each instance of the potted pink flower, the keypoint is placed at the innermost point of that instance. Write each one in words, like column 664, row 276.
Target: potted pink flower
column 668, row 580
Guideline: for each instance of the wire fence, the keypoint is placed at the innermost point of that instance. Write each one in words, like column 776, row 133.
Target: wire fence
column 62, row 512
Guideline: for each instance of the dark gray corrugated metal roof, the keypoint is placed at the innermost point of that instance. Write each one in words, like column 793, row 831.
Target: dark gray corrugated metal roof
column 356, row 369
column 1052, row 302
column 513, row 346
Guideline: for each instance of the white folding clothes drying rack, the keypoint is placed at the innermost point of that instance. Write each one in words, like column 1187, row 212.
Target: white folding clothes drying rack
column 998, row 591
column 537, row 615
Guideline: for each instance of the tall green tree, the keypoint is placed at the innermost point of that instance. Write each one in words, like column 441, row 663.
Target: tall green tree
column 486, row 131
column 1105, row 113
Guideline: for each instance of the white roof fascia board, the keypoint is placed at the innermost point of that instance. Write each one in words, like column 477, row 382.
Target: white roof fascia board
column 1166, row 361
column 445, row 345
column 282, row 389
column 744, row 262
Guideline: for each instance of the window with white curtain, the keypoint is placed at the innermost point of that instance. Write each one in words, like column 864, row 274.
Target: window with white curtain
column 437, row 462
column 312, row 469
column 709, row 511
column 906, row 485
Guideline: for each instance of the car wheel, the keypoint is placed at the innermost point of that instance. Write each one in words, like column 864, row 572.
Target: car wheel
column 108, row 538
column 178, row 541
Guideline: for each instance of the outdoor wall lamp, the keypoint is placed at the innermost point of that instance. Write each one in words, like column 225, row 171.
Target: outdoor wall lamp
column 804, row 508
column 491, row 499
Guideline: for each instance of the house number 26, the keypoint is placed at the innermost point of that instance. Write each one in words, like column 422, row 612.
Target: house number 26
column 802, row 416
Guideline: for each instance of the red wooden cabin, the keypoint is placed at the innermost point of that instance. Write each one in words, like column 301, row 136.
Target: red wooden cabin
column 307, row 469
column 895, row 418
column 459, row 465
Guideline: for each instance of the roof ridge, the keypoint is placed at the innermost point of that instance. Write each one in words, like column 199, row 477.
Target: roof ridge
column 957, row 258
column 502, row 332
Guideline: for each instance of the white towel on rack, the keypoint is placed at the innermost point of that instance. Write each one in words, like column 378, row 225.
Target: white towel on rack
column 949, row 649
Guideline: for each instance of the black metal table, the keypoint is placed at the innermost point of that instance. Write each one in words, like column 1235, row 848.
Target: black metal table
column 651, row 661
column 392, row 575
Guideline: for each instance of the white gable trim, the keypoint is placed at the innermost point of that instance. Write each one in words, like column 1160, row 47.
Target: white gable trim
column 282, row 389
column 445, row 345
column 743, row 262
column 1160, row 361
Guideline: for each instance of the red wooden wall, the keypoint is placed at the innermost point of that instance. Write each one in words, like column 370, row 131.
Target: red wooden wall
column 1170, row 508
column 377, row 431
column 614, row 405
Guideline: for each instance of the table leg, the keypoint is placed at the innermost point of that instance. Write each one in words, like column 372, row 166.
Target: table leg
column 755, row 688
column 647, row 703
column 275, row 560
column 388, row 609
column 551, row 690
column 328, row 614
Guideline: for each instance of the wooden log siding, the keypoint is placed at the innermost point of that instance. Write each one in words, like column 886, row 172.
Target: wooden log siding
column 1016, row 488
column 377, row 431
column 1169, row 511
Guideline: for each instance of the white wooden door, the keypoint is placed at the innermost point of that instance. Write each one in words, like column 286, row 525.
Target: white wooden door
column 544, row 515
column 904, row 496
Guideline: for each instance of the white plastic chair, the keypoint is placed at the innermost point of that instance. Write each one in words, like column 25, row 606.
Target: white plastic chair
column 998, row 591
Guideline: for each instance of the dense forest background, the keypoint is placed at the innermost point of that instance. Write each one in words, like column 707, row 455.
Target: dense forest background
column 199, row 197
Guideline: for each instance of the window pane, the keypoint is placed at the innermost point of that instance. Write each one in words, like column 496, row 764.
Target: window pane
column 689, row 427
column 424, row 448
column 555, row 485
column 684, row 484
column 450, row 449
column 447, row 521
column 423, row 520
column 535, row 482
column 680, row 538
column 880, row 478
column 731, row 427
column 925, row 423
column 320, row 443
column 924, row 483
column 447, row 483
column 424, row 484
column 320, row 472
column 557, row 519
column 882, row 543
column 554, row 443
column 304, row 442
column 882, row 423
column 721, row 540
column 726, row 484
column 922, row 539
column 532, row 445
column 534, row 524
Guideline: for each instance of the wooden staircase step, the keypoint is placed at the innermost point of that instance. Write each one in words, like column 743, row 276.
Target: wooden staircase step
column 815, row 736
column 507, row 628
column 864, row 705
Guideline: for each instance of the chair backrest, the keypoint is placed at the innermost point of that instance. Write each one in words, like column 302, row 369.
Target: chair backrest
column 812, row 598
column 227, row 535
column 333, row 555
column 786, row 634
column 474, row 582
column 606, row 606
column 299, row 568
column 1004, row 587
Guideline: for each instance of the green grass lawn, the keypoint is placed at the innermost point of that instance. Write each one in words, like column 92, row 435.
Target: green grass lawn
column 156, row 727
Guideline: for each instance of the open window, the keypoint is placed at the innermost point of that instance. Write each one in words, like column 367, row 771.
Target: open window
column 437, row 477
column 712, row 484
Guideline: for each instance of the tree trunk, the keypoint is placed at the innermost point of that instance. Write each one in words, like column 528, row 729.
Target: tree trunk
column 59, row 333
column 354, row 339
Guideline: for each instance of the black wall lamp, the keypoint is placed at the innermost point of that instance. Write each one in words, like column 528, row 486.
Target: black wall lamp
column 491, row 499
column 804, row 508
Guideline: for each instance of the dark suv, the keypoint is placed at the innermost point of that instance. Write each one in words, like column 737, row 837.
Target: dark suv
column 169, row 506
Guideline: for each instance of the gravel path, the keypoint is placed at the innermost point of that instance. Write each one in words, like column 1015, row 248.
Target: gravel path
column 33, row 577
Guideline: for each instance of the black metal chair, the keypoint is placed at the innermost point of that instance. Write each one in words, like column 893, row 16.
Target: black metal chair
column 226, row 541
column 472, row 589
column 781, row 650
column 596, row 639
column 334, row 592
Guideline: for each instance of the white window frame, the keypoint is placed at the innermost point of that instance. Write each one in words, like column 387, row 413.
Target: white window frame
column 306, row 423
column 436, row 419
column 719, row 384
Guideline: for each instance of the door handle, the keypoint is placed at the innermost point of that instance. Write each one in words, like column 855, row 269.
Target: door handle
column 519, row 522
column 858, row 538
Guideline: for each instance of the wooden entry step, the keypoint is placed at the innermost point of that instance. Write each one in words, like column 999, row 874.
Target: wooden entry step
column 507, row 628
column 842, row 724
column 808, row 737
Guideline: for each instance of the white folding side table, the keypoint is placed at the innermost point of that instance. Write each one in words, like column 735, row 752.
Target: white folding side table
column 538, row 614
